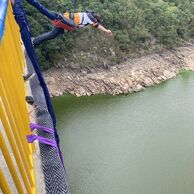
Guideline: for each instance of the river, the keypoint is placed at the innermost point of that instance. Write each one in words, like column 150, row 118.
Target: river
column 140, row 143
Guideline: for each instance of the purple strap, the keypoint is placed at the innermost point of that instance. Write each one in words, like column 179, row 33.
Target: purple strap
column 35, row 126
column 32, row 138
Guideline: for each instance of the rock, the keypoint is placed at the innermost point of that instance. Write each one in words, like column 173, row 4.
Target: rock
column 139, row 88
column 169, row 74
column 147, row 82
column 133, row 75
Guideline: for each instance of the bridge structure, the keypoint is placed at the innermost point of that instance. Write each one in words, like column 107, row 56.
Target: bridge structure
column 16, row 130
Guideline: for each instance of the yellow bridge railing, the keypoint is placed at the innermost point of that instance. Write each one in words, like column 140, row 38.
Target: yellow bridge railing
column 14, row 119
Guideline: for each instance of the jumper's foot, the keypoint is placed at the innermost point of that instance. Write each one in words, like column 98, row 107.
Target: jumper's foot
column 29, row 100
column 28, row 76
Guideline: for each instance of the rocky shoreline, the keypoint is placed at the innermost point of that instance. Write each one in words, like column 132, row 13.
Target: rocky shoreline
column 131, row 76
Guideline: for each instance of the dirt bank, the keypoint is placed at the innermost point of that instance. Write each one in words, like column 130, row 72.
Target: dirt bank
column 131, row 76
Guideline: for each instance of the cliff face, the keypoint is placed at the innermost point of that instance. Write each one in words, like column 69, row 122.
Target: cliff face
column 131, row 76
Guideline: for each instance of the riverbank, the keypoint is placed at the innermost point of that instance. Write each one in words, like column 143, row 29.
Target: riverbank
column 131, row 76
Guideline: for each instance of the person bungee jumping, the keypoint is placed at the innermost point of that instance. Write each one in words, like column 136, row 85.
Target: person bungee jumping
column 70, row 22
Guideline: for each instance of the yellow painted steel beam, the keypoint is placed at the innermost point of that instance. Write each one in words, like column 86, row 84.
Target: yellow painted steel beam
column 13, row 108
column 19, row 139
column 10, row 164
column 3, row 184
column 11, row 89
column 27, row 179
column 14, row 70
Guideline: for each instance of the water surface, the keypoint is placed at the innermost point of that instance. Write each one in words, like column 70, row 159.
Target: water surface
column 141, row 143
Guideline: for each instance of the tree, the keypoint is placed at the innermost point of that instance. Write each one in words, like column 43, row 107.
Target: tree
column 135, row 25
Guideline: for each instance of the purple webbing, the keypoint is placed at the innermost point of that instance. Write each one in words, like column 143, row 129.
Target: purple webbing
column 32, row 138
column 35, row 126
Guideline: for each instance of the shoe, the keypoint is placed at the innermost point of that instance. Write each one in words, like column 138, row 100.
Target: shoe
column 29, row 100
column 28, row 76
column 32, row 40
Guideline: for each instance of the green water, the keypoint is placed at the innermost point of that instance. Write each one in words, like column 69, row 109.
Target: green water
column 142, row 143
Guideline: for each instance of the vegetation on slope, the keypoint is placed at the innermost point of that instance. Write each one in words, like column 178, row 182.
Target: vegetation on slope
column 143, row 25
